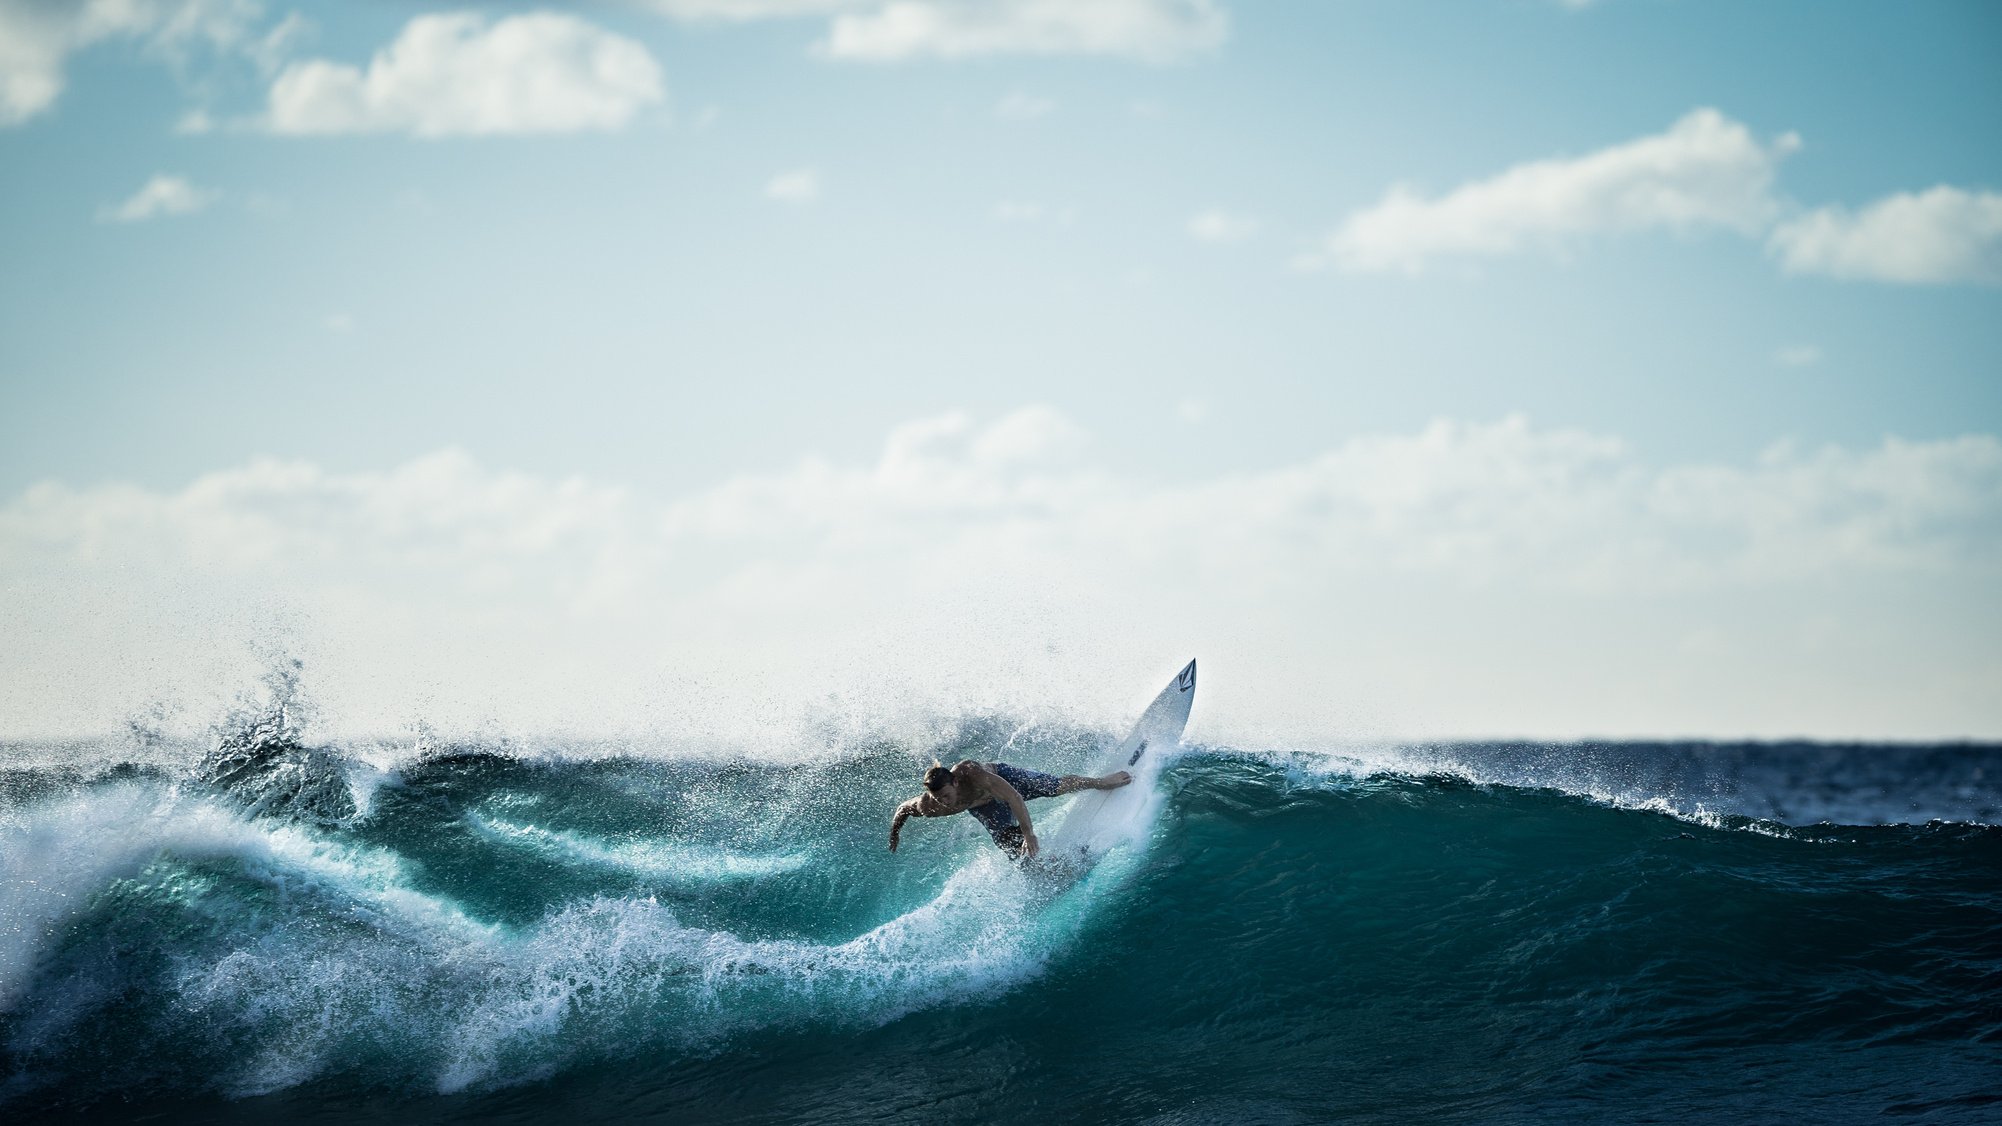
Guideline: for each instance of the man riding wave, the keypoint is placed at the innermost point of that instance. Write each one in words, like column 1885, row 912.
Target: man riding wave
column 995, row 793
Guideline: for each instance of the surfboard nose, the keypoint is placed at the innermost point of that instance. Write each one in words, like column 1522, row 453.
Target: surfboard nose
column 1186, row 679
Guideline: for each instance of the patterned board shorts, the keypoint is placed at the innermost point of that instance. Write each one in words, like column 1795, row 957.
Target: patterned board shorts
column 999, row 819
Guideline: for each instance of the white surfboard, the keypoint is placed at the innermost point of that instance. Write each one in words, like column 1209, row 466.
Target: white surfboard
column 1098, row 818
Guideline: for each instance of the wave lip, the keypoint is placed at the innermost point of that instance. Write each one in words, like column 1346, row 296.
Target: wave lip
column 1781, row 784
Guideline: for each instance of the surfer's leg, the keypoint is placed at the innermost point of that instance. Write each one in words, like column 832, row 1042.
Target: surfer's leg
column 1031, row 784
column 1072, row 783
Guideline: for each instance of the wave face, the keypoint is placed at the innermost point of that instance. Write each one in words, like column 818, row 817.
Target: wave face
column 1469, row 933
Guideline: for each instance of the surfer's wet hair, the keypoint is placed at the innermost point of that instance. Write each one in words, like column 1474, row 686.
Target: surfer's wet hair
column 936, row 778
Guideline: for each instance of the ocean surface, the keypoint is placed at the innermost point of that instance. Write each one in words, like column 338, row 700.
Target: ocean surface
column 257, row 924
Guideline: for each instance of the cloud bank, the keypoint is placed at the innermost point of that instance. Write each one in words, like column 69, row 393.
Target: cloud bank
column 458, row 75
column 1471, row 577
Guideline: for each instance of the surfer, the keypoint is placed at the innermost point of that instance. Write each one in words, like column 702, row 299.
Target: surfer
column 995, row 794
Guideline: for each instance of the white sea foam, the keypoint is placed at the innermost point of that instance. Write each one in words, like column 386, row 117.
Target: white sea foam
column 57, row 856
column 991, row 927
column 53, row 858
column 357, row 964
column 493, row 1005
column 616, row 957
column 655, row 859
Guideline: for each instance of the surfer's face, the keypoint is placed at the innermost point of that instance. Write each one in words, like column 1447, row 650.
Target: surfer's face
column 948, row 792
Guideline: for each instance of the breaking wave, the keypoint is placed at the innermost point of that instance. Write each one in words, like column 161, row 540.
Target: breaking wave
column 1464, row 932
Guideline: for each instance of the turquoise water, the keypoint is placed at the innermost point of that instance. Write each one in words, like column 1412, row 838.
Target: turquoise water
column 1469, row 933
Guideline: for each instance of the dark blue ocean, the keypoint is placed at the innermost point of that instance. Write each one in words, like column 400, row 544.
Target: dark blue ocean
column 261, row 925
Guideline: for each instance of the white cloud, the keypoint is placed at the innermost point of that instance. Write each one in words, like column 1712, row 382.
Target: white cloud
column 456, row 74
column 801, row 185
column 736, row 11
column 1938, row 236
column 885, row 30
column 1152, row 30
column 161, row 195
column 1472, row 568
column 1797, row 356
column 1705, row 171
column 1018, row 106
column 37, row 38
column 1219, row 226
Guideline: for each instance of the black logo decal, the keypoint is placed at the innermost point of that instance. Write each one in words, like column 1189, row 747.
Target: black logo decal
column 1137, row 752
column 1187, row 679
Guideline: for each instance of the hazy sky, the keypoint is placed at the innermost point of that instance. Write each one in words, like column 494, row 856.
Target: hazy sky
column 1500, row 367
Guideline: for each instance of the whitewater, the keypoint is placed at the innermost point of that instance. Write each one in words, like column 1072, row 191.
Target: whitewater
column 259, row 923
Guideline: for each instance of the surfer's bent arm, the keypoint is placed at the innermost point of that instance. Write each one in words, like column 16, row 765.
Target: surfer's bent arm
column 897, row 823
column 998, row 787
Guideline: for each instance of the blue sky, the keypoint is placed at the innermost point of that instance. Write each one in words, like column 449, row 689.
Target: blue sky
column 673, row 249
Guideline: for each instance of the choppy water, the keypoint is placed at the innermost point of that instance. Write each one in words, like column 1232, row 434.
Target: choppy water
column 1471, row 933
